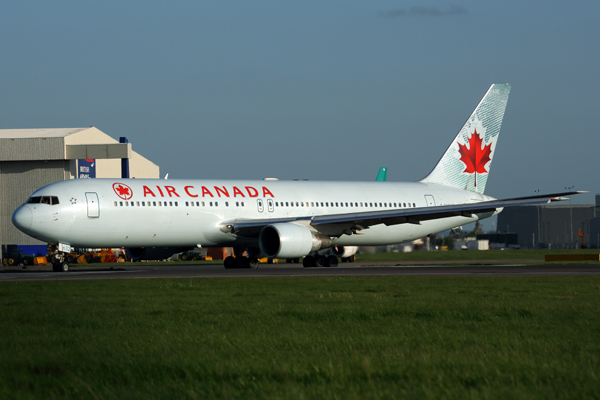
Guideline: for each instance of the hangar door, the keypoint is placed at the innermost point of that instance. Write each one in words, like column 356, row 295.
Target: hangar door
column 93, row 206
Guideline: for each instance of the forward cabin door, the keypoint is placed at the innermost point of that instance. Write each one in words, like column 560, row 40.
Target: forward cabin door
column 429, row 200
column 93, row 206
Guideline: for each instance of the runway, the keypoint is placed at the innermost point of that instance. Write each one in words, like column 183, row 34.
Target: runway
column 141, row 271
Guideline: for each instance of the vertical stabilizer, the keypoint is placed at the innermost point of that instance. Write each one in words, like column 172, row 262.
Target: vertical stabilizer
column 466, row 163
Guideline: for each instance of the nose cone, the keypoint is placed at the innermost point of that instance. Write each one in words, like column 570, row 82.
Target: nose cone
column 22, row 218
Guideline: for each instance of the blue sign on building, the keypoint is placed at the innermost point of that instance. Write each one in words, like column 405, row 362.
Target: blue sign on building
column 86, row 169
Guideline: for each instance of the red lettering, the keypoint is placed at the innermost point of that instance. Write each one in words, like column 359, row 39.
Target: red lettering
column 267, row 192
column 171, row 190
column 188, row 192
column 206, row 191
column 160, row 191
column 237, row 191
column 251, row 191
column 148, row 191
column 224, row 191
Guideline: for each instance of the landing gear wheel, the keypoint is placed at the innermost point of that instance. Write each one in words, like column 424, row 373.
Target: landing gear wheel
column 229, row 262
column 269, row 260
column 56, row 267
column 332, row 261
column 242, row 262
column 308, row 262
column 289, row 260
column 296, row 260
column 321, row 261
column 253, row 262
column 351, row 259
column 64, row 267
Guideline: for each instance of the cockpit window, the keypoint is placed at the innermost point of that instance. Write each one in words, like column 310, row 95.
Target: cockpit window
column 51, row 200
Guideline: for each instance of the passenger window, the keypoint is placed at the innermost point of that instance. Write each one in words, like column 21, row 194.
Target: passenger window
column 198, row 204
column 414, row 204
column 176, row 204
column 121, row 203
column 115, row 203
column 226, row 204
column 216, row 204
column 237, row 203
column 210, row 203
column 203, row 205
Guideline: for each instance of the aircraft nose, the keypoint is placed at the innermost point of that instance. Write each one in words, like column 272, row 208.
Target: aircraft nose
column 22, row 218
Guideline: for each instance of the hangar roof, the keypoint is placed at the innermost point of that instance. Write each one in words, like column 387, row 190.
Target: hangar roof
column 38, row 133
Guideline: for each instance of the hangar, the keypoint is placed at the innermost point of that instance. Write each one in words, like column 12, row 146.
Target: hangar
column 32, row 158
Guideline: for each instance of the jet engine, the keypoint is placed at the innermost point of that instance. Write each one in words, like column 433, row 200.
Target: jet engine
column 344, row 251
column 286, row 240
column 153, row 253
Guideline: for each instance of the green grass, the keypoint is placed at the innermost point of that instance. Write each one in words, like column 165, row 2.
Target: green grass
column 302, row 338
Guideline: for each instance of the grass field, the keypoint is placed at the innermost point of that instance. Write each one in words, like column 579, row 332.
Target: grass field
column 302, row 338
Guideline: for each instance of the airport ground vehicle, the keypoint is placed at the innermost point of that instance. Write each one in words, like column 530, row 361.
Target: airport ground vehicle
column 17, row 258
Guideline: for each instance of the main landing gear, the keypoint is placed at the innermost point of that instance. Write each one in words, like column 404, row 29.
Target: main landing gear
column 320, row 261
column 240, row 261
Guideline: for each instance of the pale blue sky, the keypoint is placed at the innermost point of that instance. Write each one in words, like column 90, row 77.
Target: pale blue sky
column 314, row 89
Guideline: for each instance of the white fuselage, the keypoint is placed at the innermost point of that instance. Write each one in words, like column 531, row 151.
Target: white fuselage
column 153, row 213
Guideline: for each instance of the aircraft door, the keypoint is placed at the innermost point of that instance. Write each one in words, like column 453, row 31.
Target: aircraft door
column 429, row 200
column 93, row 205
column 260, row 205
column 270, row 205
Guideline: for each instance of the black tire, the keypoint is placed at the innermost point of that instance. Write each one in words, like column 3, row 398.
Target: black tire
column 11, row 261
column 253, row 262
column 289, row 260
column 321, row 261
column 308, row 262
column 196, row 257
column 229, row 262
column 332, row 261
column 56, row 267
column 184, row 257
column 25, row 261
column 296, row 260
column 242, row 262
column 5, row 261
column 270, row 260
column 351, row 259
column 65, row 267
column 70, row 259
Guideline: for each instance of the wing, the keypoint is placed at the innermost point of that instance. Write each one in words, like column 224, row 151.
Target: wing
column 335, row 225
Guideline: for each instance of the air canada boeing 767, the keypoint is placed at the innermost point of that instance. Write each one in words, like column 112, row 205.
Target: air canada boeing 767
column 155, row 218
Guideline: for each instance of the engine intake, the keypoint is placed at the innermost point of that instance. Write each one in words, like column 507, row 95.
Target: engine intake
column 344, row 251
column 286, row 240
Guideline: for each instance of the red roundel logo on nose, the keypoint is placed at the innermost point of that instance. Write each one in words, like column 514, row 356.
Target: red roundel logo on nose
column 122, row 190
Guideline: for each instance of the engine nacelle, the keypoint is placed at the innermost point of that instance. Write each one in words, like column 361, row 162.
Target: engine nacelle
column 287, row 240
column 153, row 253
column 344, row 251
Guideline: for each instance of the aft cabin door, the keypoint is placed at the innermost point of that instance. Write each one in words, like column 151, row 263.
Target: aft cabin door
column 93, row 206
column 429, row 200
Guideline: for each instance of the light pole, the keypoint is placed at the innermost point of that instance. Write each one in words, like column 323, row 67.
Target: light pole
column 538, row 207
column 571, row 210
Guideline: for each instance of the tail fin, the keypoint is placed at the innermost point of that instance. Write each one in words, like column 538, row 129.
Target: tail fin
column 382, row 174
column 466, row 163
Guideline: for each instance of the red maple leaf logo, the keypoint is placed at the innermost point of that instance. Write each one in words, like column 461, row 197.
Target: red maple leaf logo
column 475, row 157
column 123, row 191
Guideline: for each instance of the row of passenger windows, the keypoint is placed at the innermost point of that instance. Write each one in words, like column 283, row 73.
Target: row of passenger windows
column 241, row 204
column 172, row 204
column 341, row 204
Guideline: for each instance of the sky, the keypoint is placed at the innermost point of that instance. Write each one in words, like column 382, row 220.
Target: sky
column 315, row 89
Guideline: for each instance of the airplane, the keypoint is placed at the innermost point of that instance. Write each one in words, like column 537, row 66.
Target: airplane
column 312, row 220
